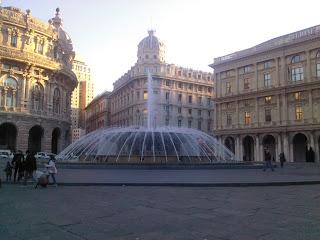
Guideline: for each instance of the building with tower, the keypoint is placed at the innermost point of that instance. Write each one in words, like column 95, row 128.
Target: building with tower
column 183, row 96
column 36, row 82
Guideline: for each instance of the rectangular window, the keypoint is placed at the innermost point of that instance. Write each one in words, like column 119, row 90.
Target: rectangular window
column 209, row 113
column 189, row 123
column 228, row 87
column 138, row 95
column 200, row 100
column 229, row 119
column 190, row 99
column 179, row 109
column 40, row 48
column 247, row 118
column 190, row 87
column 167, row 95
column 297, row 74
column 209, row 101
column 297, row 96
column 247, row 69
column 167, row 121
column 267, row 79
column 167, row 83
column 199, row 124
column 246, row 83
column 200, row 88
column 14, row 40
column 199, row 112
column 190, row 111
column 179, row 73
column 179, row 97
column 209, row 126
column 318, row 69
column 268, row 99
column 179, row 85
column 179, row 122
column 267, row 65
column 299, row 113
column 145, row 95
column 268, row 115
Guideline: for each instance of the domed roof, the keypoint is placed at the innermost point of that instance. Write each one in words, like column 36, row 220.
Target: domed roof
column 151, row 49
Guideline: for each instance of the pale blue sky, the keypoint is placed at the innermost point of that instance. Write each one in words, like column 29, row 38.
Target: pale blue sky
column 106, row 32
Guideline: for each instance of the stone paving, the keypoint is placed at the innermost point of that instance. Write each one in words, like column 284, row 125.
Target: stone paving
column 171, row 213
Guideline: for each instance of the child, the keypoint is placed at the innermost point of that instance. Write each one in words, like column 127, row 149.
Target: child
column 8, row 171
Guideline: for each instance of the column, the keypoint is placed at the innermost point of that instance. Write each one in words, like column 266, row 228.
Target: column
column 237, row 114
column 284, row 109
column 311, row 105
column 312, row 143
column 316, row 150
column 279, row 109
column 217, row 85
column 5, row 98
column 257, row 149
column 237, row 80
column 257, row 113
column 237, row 150
column 279, row 146
column 241, row 148
column 283, row 72
column 286, row 147
column 256, row 74
column 308, row 68
column 261, row 153
column 277, row 75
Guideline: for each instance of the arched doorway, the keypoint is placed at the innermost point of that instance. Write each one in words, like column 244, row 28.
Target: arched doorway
column 300, row 147
column 230, row 144
column 56, row 133
column 270, row 143
column 35, row 137
column 248, row 149
column 8, row 136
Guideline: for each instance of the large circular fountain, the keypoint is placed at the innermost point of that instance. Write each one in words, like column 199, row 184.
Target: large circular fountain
column 163, row 145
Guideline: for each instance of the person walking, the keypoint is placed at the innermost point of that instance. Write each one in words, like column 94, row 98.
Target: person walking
column 8, row 171
column 16, row 162
column 52, row 170
column 267, row 159
column 282, row 159
column 30, row 166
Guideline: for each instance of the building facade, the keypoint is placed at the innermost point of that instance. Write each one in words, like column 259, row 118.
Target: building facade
column 268, row 96
column 98, row 112
column 36, row 82
column 81, row 97
column 183, row 97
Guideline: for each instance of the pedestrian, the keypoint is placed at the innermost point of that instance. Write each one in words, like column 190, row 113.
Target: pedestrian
column 8, row 171
column 267, row 159
column 282, row 159
column 311, row 155
column 17, row 165
column 30, row 166
column 51, row 168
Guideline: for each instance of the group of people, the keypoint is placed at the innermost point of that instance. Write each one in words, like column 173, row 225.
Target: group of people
column 25, row 168
column 268, row 160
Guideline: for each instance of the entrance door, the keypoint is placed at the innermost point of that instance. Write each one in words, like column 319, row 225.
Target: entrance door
column 300, row 147
column 55, row 140
column 248, row 149
column 8, row 136
column 35, row 137
column 270, row 143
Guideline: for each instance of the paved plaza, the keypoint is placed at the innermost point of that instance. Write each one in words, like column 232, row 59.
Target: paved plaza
column 171, row 213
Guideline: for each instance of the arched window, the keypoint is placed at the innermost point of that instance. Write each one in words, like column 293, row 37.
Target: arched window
column 37, row 97
column 56, row 101
column 296, row 59
column 14, row 40
column 8, row 94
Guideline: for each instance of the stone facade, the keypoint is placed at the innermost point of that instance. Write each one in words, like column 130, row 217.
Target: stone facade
column 268, row 96
column 183, row 96
column 98, row 112
column 36, row 82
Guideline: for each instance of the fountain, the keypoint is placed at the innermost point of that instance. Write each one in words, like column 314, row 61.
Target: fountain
column 148, row 145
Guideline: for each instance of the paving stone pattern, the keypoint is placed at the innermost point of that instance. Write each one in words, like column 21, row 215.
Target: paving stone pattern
column 171, row 213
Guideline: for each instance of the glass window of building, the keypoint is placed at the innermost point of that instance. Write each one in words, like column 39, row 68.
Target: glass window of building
column 246, row 83
column 200, row 100
column 318, row 69
column 179, row 73
column 167, row 83
column 268, row 99
column 179, row 122
column 267, row 79
column 167, row 122
column 190, row 111
column 190, row 87
column 297, row 96
column 209, row 113
column 167, row 95
column 296, row 59
column 189, row 123
column 268, row 115
column 228, row 87
column 138, row 95
column 179, row 97
column 14, row 40
column 297, row 74
column 40, row 48
column 247, row 118
column 179, row 109
column 145, row 95
column 179, row 85
column 199, row 112
column 229, row 119
column 267, row 64
column 209, row 101
column 200, row 88
column 190, row 99
column 199, row 124
column 299, row 113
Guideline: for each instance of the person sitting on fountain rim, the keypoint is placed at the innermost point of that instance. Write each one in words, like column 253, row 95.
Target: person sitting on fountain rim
column 267, row 159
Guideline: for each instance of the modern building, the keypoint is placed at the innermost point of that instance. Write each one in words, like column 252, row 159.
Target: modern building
column 81, row 97
column 98, row 112
column 268, row 96
column 36, row 82
column 183, row 97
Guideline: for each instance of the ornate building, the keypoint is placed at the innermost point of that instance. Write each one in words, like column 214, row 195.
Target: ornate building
column 269, row 96
column 183, row 96
column 36, row 82
column 98, row 112
column 82, row 95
